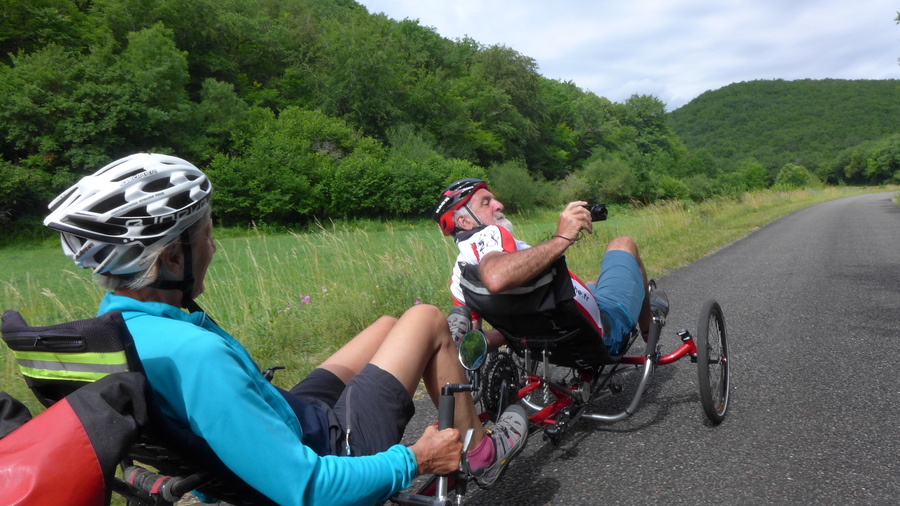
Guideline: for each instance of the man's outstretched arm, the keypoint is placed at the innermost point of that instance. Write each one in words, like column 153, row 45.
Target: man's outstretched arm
column 502, row 271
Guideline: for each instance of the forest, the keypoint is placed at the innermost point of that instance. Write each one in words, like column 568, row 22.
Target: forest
column 844, row 131
column 308, row 109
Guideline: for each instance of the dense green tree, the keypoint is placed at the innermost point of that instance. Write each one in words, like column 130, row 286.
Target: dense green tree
column 28, row 25
column 61, row 110
column 870, row 162
column 776, row 122
column 308, row 108
column 589, row 117
column 645, row 116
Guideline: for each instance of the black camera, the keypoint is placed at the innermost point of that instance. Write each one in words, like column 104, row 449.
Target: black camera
column 598, row 211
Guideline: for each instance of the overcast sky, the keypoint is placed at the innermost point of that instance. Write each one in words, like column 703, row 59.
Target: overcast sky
column 674, row 49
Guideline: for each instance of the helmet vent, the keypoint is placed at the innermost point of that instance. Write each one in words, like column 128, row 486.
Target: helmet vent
column 98, row 228
column 158, row 185
column 137, row 212
column 63, row 197
column 103, row 252
column 109, row 204
column 180, row 201
column 127, row 175
column 157, row 229
column 131, row 254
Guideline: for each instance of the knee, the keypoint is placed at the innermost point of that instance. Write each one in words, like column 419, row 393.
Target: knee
column 623, row 244
column 428, row 313
column 430, row 317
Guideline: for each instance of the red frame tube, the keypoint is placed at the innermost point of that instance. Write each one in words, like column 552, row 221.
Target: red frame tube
column 546, row 414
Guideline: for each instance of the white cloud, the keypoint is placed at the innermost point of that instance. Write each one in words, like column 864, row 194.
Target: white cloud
column 674, row 49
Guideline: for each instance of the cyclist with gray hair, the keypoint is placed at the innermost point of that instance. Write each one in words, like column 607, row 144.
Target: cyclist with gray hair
column 143, row 224
column 620, row 298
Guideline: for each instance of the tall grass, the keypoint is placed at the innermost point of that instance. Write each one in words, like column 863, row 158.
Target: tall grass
column 294, row 298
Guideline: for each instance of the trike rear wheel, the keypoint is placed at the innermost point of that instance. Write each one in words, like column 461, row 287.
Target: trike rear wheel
column 712, row 361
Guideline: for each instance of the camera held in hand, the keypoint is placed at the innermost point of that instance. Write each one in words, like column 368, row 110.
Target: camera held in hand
column 598, row 211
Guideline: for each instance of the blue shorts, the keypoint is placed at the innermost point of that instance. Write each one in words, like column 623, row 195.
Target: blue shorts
column 620, row 294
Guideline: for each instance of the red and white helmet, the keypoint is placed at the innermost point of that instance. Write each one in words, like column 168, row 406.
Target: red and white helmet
column 454, row 197
column 113, row 220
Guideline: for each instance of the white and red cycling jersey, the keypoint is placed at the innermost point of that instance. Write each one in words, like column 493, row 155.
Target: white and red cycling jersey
column 475, row 244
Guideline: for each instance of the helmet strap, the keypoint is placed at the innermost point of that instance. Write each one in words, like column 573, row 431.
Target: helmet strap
column 477, row 221
column 186, row 285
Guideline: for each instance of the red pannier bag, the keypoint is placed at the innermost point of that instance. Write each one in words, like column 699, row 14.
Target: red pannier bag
column 67, row 454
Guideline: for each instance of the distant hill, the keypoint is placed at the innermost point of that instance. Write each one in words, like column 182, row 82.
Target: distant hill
column 807, row 122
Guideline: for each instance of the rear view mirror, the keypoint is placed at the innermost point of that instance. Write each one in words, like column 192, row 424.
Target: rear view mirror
column 472, row 350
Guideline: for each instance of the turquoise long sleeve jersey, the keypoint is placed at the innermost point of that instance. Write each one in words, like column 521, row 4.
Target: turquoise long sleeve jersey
column 206, row 381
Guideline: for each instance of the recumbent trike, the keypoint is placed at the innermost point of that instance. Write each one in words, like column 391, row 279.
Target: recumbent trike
column 556, row 364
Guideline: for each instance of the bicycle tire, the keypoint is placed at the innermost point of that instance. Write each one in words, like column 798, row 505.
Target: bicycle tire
column 712, row 362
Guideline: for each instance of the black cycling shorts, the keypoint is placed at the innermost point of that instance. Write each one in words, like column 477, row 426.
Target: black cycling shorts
column 374, row 404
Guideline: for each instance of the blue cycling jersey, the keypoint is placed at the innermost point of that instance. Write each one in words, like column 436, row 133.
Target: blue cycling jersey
column 206, row 381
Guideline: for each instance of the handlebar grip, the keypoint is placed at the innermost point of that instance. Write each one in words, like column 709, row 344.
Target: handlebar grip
column 446, row 410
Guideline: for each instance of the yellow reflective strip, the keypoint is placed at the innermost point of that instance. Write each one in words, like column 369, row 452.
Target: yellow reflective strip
column 110, row 358
column 61, row 375
column 70, row 366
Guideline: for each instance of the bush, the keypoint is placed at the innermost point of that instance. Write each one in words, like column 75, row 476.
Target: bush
column 517, row 189
column 701, row 187
column 417, row 185
column 670, row 188
column 574, row 187
column 611, row 181
column 796, row 176
column 290, row 169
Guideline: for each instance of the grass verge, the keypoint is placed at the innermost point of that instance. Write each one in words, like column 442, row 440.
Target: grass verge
column 294, row 298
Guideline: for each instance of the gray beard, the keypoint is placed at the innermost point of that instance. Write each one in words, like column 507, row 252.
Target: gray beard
column 503, row 222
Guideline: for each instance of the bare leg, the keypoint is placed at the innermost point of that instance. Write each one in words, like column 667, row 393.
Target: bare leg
column 627, row 244
column 418, row 347
column 353, row 356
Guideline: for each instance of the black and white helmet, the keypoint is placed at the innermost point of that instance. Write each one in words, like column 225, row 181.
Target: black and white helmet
column 115, row 219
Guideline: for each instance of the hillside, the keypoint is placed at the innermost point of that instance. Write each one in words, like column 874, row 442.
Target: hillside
column 808, row 122
column 302, row 110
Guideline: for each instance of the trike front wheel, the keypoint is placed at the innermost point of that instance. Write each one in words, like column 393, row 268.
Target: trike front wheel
column 712, row 361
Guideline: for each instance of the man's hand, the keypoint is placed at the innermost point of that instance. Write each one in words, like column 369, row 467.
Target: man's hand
column 437, row 452
column 573, row 220
column 501, row 271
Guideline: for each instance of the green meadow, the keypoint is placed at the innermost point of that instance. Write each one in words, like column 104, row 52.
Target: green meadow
column 294, row 298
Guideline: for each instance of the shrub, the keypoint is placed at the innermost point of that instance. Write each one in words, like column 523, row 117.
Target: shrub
column 670, row 188
column 517, row 189
column 796, row 176
column 609, row 181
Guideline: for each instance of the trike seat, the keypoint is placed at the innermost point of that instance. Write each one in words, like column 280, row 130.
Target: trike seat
column 57, row 360
column 540, row 315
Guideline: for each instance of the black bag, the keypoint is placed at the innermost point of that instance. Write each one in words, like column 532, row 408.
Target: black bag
column 542, row 293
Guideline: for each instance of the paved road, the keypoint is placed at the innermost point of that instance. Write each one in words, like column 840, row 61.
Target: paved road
column 811, row 304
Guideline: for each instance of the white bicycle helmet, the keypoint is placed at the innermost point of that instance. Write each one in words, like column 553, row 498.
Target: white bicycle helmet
column 114, row 219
